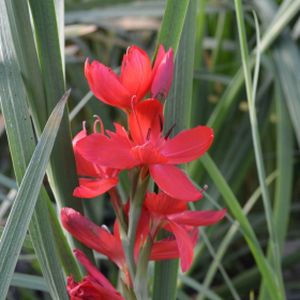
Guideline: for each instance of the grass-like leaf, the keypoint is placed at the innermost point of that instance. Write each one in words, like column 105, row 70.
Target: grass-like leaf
column 19, row 218
column 32, row 282
column 177, row 31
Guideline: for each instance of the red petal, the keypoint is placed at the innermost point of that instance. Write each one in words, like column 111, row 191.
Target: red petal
column 188, row 145
column 145, row 121
column 163, row 76
column 198, row 218
column 89, row 188
column 174, row 182
column 84, row 167
column 162, row 204
column 91, row 235
column 106, row 85
column 159, row 57
column 79, row 136
column 164, row 249
column 89, row 289
column 114, row 152
column 136, row 72
column 92, row 270
column 185, row 245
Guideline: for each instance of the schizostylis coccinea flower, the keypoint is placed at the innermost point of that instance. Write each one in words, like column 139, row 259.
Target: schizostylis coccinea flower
column 94, row 179
column 174, row 216
column 94, row 286
column 136, row 79
column 147, row 147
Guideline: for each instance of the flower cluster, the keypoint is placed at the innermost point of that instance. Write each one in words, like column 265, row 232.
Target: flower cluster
column 148, row 153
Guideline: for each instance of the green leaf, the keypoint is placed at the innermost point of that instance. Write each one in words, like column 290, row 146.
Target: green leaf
column 251, row 95
column 22, row 143
column 62, row 171
column 225, row 243
column 192, row 283
column 248, row 233
column 178, row 106
column 228, row 98
column 32, row 282
column 19, row 218
column 172, row 23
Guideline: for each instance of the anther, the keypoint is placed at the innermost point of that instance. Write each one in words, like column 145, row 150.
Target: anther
column 84, row 127
column 170, row 131
column 98, row 120
column 161, row 124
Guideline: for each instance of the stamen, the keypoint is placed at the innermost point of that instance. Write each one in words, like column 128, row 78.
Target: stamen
column 170, row 131
column 135, row 115
column 161, row 124
column 98, row 120
column 105, row 227
column 84, row 127
column 204, row 189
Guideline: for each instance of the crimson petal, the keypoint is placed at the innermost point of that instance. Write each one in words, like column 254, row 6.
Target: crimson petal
column 162, row 204
column 185, row 245
column 92, row 270
column 174, row 182
column 136, row 72
column 114, row 152
column 164, row 249
column 198, row 218
column 90, row 188
column 91, row 235
column 163, row 76
column 145, row 121
column 106, row 85
column 188, row 145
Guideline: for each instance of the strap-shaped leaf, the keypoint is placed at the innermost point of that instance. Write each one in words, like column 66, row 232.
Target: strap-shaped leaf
column 19, row 218
column 178, row 32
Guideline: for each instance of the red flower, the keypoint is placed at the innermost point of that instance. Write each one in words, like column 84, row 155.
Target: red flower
column 149, row 148
column 94, row 286
column 172, row 215
column 109, row 244
column 163, row 73
column 135, row 78
column 97, row 179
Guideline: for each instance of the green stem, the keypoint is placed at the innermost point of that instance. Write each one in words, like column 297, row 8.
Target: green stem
column 139, row 188
column 118, row 208
column 136, row 203
column 141, row 278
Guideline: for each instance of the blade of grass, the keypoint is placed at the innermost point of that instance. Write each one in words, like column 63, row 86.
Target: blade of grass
column 284, row 183
column 80, row 105
column 229, row 96
column 213, row 254
column 248, row 233
column 62, row 172
column 178, row 106
column 190, row 282
column 172, row 24
column 22, row 144
column 197, row 104
column 19, row 218
column 225, row 243
column 252, row 276
column 24, row 45
column 251, row 90
column 32, row 282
